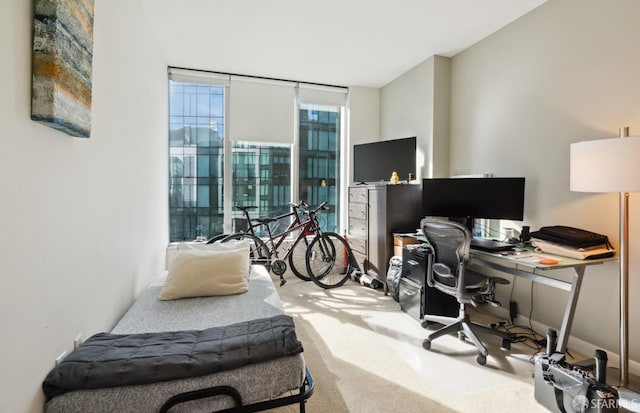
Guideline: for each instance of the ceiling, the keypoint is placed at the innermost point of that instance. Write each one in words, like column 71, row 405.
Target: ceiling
column 339, row 42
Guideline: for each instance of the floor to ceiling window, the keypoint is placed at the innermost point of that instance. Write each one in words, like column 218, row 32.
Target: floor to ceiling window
column 260, row 168
column 319, row 159
column 196, row 161
column 261, row 178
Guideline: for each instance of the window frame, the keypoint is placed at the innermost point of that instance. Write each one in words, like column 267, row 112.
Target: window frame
column 326, row 94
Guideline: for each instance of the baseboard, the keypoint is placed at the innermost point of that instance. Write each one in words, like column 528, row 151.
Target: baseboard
column 576, row 344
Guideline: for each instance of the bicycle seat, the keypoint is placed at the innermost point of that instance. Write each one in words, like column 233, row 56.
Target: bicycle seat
column 265, row 220
column 245, row 208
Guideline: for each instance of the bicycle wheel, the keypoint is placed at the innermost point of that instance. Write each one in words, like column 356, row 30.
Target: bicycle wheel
column 329, row 260
column 258, row 251
column 298, row 257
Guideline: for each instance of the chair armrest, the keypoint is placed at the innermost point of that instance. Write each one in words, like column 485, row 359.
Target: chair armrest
column 442, row 270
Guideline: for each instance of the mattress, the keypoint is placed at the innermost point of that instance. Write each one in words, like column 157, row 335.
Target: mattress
column 149, row 315
column 255, row 382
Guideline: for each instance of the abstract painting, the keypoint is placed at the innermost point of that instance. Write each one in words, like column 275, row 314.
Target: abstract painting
column 62, row 65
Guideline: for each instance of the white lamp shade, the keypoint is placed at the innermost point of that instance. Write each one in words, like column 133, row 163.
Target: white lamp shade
column 606, row 165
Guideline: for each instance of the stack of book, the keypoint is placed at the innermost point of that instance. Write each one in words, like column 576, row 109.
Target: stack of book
column 572, row 242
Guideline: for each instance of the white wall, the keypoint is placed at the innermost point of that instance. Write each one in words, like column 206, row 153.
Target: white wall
column 406, row 109
column 364, row 126
column 417, row 104
column 568, row 71
column 441, row 118
column 364, row 118
column 82, row 220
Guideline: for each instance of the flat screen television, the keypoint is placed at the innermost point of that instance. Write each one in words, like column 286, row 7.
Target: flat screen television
column 376, row 161
column 470, row 198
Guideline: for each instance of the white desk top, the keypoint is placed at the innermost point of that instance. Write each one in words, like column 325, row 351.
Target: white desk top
column 529, row 259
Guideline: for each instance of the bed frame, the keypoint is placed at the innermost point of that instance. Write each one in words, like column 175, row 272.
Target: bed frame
column 306, row 390
column 236, row 390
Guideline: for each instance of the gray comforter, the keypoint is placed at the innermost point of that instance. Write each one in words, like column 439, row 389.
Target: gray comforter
column 107, row 360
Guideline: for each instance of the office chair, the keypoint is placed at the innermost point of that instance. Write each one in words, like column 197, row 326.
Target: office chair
column 447, row 271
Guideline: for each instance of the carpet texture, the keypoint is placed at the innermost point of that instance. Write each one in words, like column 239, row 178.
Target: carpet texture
column 366, row 355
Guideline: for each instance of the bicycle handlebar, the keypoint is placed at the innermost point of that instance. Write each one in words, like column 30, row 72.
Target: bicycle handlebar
column 322, row 206
column 302, row 205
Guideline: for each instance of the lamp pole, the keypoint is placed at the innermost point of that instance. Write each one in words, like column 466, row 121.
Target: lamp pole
column 624, row 280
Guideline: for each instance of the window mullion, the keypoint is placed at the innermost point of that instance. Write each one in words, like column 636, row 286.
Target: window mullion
column 227, row 185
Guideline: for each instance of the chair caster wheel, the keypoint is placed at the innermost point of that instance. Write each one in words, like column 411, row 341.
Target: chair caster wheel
column 506, row 344
column 426, row 344
column 425, row 324
column 481, row 359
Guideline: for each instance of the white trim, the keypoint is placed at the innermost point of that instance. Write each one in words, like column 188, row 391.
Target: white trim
column 194, row 76
column 262, row 81
column 322, row 95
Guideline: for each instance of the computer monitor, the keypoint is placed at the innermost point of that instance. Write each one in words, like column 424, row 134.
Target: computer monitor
column 471, row 198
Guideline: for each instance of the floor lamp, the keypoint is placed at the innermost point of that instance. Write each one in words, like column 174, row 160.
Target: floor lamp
column 612, row 165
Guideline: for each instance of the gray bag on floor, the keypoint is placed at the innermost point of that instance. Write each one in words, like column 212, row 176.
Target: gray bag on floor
column 393, row 277
column 565, row 388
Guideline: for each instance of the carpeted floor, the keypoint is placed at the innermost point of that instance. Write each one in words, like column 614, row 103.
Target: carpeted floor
column 366, row 355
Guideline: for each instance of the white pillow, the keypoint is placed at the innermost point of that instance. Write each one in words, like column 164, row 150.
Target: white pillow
column 202, row 273
column 173, row 249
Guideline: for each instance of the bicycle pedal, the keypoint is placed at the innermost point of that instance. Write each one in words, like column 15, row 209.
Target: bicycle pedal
column 282, row 282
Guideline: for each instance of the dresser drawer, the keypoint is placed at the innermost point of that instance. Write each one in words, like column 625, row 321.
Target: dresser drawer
column 358, row 244
column 359, row 195
column 358, row 227
column 357, row 210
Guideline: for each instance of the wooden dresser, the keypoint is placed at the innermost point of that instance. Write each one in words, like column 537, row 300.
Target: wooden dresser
column 375, row 212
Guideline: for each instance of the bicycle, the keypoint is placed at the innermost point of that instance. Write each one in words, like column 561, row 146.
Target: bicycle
column 327, row 257
column 260, row 253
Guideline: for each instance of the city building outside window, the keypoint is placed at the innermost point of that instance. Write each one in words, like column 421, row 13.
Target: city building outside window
column 261, row 172
column 196, row 160
column 319, row 162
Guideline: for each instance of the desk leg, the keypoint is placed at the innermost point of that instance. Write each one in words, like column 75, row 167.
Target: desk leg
column 574, row 292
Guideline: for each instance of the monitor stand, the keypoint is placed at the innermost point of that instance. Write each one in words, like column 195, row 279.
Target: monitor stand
column 490, row 245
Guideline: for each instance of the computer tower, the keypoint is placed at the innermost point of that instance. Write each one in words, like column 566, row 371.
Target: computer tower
column 416, row 297
column 411, row 297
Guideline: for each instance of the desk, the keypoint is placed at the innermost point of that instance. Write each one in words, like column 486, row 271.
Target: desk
column 526, row 265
